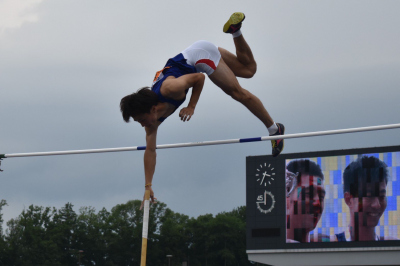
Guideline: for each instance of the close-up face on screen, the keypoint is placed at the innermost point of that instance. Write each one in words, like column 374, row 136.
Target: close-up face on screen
column 343, row 198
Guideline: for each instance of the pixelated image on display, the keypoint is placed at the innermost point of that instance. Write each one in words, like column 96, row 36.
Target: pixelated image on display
column 343, row 198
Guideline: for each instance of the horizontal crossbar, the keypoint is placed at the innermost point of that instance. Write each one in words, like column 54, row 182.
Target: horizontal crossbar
column 207, row 143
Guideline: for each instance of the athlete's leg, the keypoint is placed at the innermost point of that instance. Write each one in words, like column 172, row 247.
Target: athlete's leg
column 243, row 63
column 224, row 78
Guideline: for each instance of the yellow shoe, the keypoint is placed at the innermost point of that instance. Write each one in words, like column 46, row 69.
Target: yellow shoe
column 278, row 144
column 234, row 23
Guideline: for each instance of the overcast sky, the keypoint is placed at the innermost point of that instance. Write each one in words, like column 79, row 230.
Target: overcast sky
column 65, row 65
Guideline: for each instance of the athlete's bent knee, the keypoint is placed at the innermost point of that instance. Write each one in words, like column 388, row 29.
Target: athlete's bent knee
column 252, row 70
column 249, row 72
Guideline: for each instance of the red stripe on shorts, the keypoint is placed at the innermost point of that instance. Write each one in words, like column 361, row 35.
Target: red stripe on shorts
column 208, row 62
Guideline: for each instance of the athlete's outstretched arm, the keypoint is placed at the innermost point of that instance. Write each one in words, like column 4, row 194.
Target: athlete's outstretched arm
column 175, row 89
column 150, row 158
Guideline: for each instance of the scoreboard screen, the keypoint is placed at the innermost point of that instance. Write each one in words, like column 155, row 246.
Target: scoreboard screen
column 339, row 199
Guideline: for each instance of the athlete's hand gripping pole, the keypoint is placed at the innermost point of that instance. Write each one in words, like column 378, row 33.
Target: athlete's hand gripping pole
column 145, row 230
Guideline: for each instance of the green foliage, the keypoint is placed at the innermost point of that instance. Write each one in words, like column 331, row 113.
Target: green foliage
column 47, row 236
column 28, row 238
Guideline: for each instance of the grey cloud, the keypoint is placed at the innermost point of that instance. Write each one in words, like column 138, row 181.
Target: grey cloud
column 321, row 66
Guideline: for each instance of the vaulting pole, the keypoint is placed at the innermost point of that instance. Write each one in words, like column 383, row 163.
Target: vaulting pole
column 145, row 230
column 205, row 143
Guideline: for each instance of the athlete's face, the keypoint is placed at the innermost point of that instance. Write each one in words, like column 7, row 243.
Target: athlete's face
column 147, row 119
column 306, row 203
column 368, row 209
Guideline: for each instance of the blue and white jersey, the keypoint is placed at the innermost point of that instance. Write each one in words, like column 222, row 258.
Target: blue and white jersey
column 175, row 67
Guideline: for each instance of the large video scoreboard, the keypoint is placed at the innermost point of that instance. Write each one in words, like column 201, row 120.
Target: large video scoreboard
column 324, row 208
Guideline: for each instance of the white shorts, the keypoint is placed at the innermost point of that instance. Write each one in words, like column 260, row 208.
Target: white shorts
column 203, row 55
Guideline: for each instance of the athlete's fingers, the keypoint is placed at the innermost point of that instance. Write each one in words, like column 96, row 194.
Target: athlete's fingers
column 185, row 114
column 151, row 197
column 184, row 117
column 182, row 114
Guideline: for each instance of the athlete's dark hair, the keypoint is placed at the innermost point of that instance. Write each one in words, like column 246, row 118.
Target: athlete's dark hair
column 305, row 166
column 138, row 103
column 365, row 170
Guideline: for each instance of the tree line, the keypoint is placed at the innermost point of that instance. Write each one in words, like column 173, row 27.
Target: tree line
column 50, row 236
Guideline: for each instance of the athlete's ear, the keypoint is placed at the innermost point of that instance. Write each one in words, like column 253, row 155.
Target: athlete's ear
column 153, row 109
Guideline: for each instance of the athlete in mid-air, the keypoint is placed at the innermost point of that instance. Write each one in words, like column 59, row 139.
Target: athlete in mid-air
column 151, row 106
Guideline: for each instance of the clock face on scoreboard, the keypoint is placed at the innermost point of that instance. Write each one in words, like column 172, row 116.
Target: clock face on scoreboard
column 265, row 174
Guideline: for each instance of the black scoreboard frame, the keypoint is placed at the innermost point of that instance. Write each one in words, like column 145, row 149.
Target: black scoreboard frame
column 267, row 231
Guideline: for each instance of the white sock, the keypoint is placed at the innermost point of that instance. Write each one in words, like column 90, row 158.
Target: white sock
column 237, row 34
column 273, row 129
